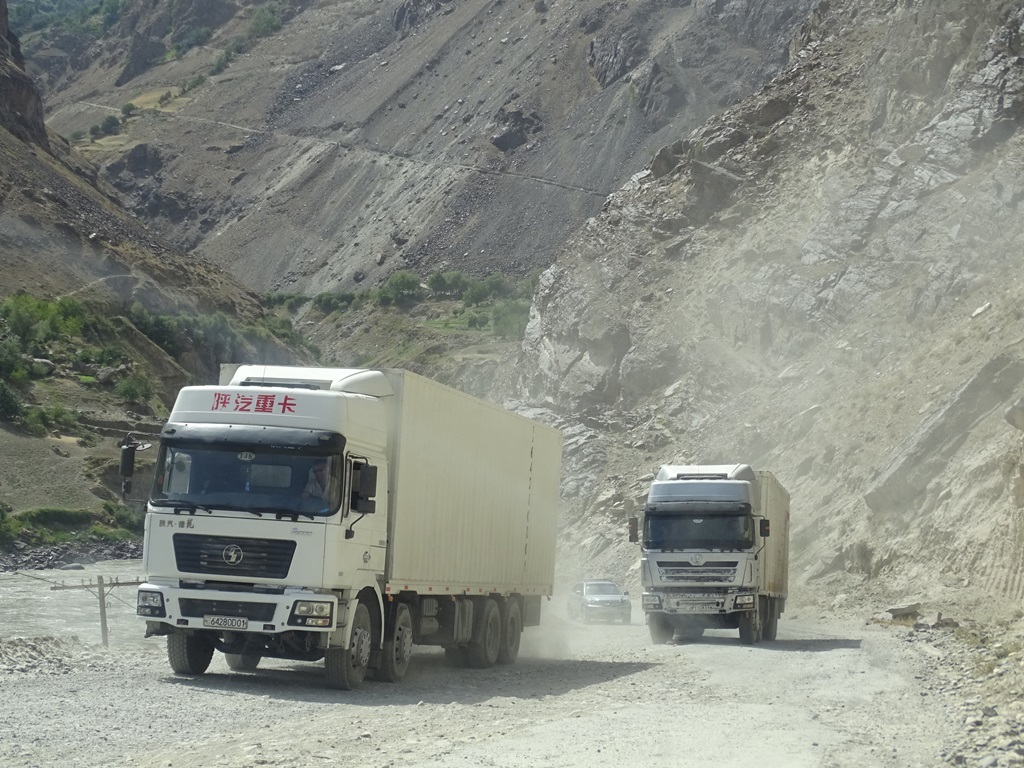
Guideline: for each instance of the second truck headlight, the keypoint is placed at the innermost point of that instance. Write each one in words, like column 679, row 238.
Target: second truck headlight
column 312, row 613
column 150, row 604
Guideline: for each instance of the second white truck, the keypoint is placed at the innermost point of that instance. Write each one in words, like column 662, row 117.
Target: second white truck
column 714, row 552
column 345, row 515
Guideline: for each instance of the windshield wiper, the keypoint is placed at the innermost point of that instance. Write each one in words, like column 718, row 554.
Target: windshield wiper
column 189, row 506
column 282, row 512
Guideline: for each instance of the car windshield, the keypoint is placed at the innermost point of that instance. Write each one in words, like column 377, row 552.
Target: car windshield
column 602, row 588
column 255, row 480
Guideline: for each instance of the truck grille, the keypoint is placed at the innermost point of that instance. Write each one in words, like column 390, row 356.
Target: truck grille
column 193, row 608
column 230, row 556
column 705, row 573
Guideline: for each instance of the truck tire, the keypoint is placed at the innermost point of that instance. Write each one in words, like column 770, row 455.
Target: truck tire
column 189, row 654
column 243, row 662
column 770, row 629
column 750, row 625
column 483, row 648
column 394, row 659
column 346, row 667
column 511, row 631
column 456, row 655
column 660, row 628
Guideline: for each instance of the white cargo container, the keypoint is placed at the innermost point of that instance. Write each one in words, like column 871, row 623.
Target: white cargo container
column 346, row 515
column 714, row 552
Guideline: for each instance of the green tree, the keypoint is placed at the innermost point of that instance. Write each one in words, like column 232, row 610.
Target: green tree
column 110, row 126
column 135, row 388
column 403, row 287
column 510, row 319
column 265, row 22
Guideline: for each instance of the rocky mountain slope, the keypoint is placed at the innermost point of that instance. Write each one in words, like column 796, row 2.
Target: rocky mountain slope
column 360, row 138
column 823, row 281
column 64, row 233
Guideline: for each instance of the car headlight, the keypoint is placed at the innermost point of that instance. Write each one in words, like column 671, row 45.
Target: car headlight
column 742, row 600
column 651, row 601
column 150, row 603
column 312, row 613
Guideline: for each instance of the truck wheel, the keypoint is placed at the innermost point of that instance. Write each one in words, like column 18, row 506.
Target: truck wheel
column 771, row 620
column 660, row 628
column 483, row 648
column 243, row 662
column 346, row 667
column 750, row 626
column 189, row 654
column 394, row 659
column 511, row 631
column 456, row 655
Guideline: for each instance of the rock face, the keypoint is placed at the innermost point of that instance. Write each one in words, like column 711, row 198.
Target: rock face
column 822, row 282
column 21, row 108
column 402, row 116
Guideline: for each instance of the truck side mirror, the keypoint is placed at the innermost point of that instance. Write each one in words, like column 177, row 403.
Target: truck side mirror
column 126, row 462
column 634, row 530
column 766, row 528
column 126, row 466
column 367, row 481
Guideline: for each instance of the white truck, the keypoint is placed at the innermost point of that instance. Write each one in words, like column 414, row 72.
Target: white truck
column 714, row 552
column 346, row 515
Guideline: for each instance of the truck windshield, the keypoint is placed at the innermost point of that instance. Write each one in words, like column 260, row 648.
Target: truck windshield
column 253, row 479
column 676, row 532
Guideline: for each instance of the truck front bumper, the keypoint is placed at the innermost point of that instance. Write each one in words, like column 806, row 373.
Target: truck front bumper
column 697, row 602
column 224, row 611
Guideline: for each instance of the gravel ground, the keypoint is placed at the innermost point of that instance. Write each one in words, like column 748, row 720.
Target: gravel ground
column 824, row 694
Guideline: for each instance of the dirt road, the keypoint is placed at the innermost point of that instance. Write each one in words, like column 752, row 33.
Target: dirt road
column 822, row 695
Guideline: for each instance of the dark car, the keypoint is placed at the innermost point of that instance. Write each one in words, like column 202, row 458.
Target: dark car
column 599, row 600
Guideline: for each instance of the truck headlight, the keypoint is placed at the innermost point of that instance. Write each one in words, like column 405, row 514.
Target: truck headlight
column 744, row 600
column 312, row 613
column 651, row 601
column 150, row 604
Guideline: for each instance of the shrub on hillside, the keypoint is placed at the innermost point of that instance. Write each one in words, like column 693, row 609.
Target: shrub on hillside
column 121, row 516
column 510, row 319
column 48, row 517
column 266, row 21
column 403, row 287
column 135, row 388
column 10, row 405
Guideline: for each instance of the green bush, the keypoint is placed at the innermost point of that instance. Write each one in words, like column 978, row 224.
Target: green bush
column 8, row 528
column 476, row 293
column 135, row 388
column 477, row 320
column 111, row 125
column 510, row 319
column 448, row 284
column 56, row 518
column 265, row 22
column 123, row 517
column 128, row 109
column 10, row 404
column 403, row 288
column 221, row 63
column 333, row 302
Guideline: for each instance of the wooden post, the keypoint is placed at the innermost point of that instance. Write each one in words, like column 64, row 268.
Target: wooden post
column 103, row 610
column 104, row 587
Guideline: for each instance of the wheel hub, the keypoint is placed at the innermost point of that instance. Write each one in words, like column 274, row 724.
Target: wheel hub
column 360, row 647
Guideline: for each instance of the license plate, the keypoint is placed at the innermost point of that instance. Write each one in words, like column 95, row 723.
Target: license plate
column 697, row 608
column 226, row 622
